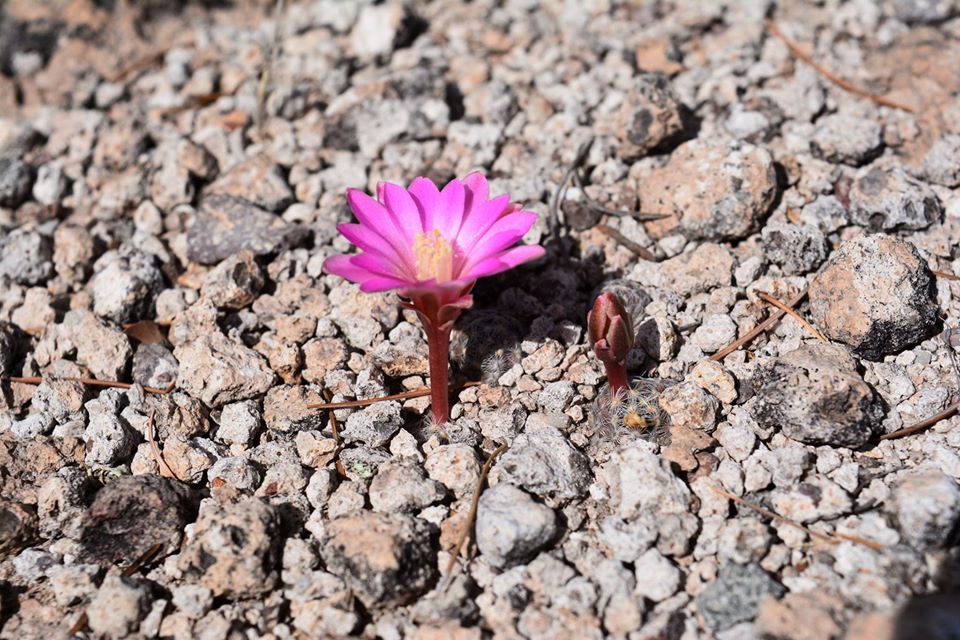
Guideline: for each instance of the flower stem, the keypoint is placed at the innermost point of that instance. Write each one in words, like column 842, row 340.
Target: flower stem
column 438, row 341
column 616, row 376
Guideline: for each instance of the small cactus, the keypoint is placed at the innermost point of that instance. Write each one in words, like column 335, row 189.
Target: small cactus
column 486, row 344
column 631, row 412
column 611, row 336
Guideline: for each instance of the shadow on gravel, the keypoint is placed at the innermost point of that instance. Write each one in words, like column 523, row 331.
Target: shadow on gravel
column 934, row 616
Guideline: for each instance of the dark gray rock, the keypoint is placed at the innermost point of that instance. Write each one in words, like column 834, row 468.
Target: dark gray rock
column 26, row 257
column 387, row 559
column 10, row 340
column 797, row 249
column 815, row 395
column 892, row 200
column 374, row 425
column 511, row 527
column 736, row 594
column 131, row 514
column 225, row 225
column 16, row 179
column 876, row 295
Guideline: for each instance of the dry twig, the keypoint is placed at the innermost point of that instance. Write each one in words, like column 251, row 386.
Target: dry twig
column 834, row 538
column 799, row 53
column 162, row 465
column 766, row 297
column 760, row 328
column 923, row 424
column 640, row 251
column 404, row 395
column 472, row 514
column 93, row 383
column 944, row 274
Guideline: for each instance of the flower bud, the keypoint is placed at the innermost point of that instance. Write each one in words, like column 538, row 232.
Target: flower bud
column 610, row 329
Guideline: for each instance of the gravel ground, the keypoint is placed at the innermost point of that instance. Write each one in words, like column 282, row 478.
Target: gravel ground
column 171, row 178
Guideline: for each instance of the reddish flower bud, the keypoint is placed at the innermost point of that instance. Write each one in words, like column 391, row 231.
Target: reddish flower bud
column 610, row 329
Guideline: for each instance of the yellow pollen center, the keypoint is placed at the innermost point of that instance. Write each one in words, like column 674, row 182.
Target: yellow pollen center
column 433, row 256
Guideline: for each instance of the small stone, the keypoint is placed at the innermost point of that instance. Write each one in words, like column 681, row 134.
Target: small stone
column 689, row 406
column 715, row 332
column 715, row 191
column 18, row 527
column 381, row 28
column 25, row 256
column 797, row 249
column 892, row 200
column 658, row 338
column 511, row 527
column 218, row 370
column 36, row 313
column 118, row 607
column 651, row 116
column 826, row 213
column 226, row 225
column 73, row 583
column 543, row 462
column 846, row 138
column 712, row 377
column 941, row 165
column 921, row 11
column 233, row 475
column 455, row 466
column 234, row 283
column 814, row 499
column 154, row 366
column 707, row 267
column 927, row 506
column 50, row 185
column 234, row 550
column 16, row 179
column 108, row 439
column 285, row 409
column 258, row 181
column 103, row 349
column 374, row 425
column 125, row 286
column 192, row 599
column 876, row 295
column 240, row 423
column 816, row 395
column 735, row 595
column 387, row 559
column 133, row 513
column 657, row 577
column 401, row 487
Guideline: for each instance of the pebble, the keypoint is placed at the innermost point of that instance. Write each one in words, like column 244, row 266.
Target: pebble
column 16, row 180
column 217, row 370
column 715, row 191
column 846, row 138
column 25, row 256
column 511, row 527
column 650, row 116
column 715, row 332
column 234, row 283
column 926, row 503
column 154, row 366
column 125, row 286
column 543, row 462
column 892, row 200
column 876, row 295
column 455, row 466
column 234, row 550
column 374, row 425
column 226, row 225
column 689, row 406
column 712, row 377
column 400, row 486
column 133, row 513
column 941, row 165
column 707, row 267
column 118, row 607
column 240, row 423
column 736, row 594
column 256, row 180
column 796, row 249
column 657, row 577
column 386, row 559
column 815, row 394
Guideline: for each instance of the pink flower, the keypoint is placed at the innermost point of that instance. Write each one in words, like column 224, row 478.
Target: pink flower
column 431, row 246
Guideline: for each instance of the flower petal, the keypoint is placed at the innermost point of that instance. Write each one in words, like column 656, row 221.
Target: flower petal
column 382, row 283
column 504, row 233
column 504, row 261
column 344, row 267
column 427, row 197
column 373, row 243
column 377, row 265
column 452, row 206
column 480, row 218
column 403, row 210
column 378, row 219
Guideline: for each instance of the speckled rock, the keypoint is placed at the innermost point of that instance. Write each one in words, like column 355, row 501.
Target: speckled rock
column 892, row 200
column 543, row 462
column 218, row 370
column 511, row 527
column 876, row 295
column 234, row 283
column 715, row 191
column 927, row 506
column 814, row 394
column 736, row 594
column 846, row 138
column 651, row 116
column 941, row 165
column 125, row 286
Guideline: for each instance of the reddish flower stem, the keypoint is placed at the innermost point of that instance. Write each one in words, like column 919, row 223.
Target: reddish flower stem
column 438, row 341
column 616, row 377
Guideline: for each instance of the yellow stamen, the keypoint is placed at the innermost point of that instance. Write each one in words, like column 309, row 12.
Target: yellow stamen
column 434, row 256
